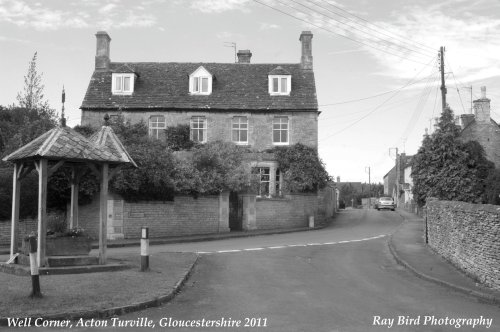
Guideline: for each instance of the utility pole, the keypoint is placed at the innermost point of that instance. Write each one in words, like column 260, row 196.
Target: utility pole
column 443, row 85
column 369, row 188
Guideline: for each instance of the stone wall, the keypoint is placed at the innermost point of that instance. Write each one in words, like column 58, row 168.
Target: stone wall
column 467, row 235
column 288, row 212
column 488, row 135
column 183, row 216
column 303, row 126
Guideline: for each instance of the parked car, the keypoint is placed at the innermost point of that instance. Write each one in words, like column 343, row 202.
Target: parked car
column 385, row 203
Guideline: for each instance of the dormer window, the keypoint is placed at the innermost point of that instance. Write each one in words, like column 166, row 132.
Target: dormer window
column 280, row 82
column 200, row 82
column 122, row 84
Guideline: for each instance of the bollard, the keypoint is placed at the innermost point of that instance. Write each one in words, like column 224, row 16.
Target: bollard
column 35, row 277
column 144, row 249
column 311, row 221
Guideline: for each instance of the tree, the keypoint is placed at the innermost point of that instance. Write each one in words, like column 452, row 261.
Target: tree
column 448, row 169
column 177, row 137
column 32, row 96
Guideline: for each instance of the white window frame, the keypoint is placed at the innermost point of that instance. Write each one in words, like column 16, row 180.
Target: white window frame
column 261, row 171
column 155, row 126
column 196, row 82
column 194, row 125
column 283, row 89
column 279, row 121
column 117, row 84
column 239, row 124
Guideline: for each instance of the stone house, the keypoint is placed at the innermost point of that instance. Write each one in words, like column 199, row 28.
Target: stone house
column 258, row 106
column 482, row 128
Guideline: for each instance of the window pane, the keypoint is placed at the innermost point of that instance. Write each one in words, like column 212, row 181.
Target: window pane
column 283, row 85
column 276, row 136
column 243, row 137
column 126, row 84
column 195, row 84
column 204, row 84
column 275, row 84
column 118, row 83
column 235, row 136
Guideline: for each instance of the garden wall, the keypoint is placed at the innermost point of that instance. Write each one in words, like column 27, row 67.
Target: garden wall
column 183, row 216
column 26, row 226
column 467, row 235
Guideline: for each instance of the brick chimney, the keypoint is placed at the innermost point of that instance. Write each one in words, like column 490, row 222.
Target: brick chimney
column 102, row 51
column 482, row 108
column 244, row 56
column 306, row 60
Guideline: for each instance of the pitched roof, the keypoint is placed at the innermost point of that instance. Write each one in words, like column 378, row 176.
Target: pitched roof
column 63, row 143
column 235, row 87
column 106, row 138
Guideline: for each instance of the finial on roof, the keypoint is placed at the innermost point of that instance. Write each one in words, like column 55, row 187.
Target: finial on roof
column 63, row 119
column 106, row 119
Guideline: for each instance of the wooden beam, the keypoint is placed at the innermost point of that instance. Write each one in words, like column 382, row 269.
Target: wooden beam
column 16, row 194
column 42, row 210
column 76, row 174
column 103, row 216
column 55, row 167
column 25, row 171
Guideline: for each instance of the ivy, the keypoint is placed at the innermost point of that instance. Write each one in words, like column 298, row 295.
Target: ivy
column 302, row 169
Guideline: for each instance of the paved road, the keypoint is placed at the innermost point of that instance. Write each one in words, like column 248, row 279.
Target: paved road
column 341, row 278
column 296, row 282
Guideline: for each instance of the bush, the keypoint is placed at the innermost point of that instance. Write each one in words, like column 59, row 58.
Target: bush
column 301, row 167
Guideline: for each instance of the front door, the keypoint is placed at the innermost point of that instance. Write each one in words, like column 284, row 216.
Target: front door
column 235, row 212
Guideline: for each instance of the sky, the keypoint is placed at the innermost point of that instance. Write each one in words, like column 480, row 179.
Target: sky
column 375, row 62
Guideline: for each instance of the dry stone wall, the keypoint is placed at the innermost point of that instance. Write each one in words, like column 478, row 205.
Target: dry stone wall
column 467, row 235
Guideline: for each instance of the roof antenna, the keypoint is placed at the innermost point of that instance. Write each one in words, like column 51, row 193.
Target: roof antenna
column 233, row 45
column 63, row 119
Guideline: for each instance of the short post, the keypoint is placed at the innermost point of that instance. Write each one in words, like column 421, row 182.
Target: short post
column 35, row 277
column 311, row 221
column 144, row 249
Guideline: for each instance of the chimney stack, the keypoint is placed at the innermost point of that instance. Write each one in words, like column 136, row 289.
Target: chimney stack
column 306, row 60
column 102, row 51
column 244, row 56
column 482, row 108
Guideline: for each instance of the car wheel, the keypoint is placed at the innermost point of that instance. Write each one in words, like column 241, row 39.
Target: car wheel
column 393, row 209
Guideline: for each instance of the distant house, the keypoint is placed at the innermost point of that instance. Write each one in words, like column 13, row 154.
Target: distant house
column 397, row 180
column 259, row 106
column 482, row 128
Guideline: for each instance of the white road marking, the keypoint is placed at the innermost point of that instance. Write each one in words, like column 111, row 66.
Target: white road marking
column 290, row 246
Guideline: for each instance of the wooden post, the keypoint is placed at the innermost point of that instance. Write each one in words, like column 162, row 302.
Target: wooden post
column 35, row 276
column 42, row 210
column 16, row 191
column 103, row 230
column 75, row 179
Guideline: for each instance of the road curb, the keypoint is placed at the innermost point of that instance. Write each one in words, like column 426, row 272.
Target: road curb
column 121, row 310
column 491, row 299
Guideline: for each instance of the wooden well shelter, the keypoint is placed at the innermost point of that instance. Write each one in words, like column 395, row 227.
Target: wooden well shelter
column 102, row 153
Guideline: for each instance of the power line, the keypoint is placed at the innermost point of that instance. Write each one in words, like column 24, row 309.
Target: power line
column 333, row 32
column 370, row 97
column 378, row 107
column 375, row 25
column 338, row 27
column 376, row 31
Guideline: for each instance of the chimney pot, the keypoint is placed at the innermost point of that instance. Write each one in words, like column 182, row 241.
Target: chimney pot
column 306, row 60
column 483, row 92
column 102, row 59
column 244, row 56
